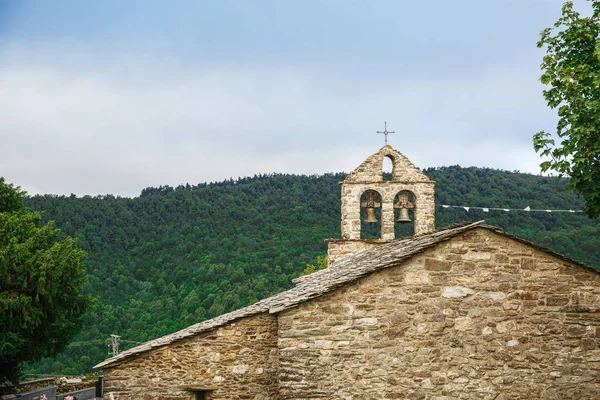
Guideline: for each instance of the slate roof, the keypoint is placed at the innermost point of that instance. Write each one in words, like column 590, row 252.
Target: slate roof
column 318, row 283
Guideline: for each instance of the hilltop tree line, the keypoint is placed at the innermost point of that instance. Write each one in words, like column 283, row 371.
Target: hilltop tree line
column 175, row 256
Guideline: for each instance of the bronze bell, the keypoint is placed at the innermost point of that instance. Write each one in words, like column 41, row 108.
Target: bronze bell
column 403, row 205
column 370, row 203
column 371, row 215
column 403, row 216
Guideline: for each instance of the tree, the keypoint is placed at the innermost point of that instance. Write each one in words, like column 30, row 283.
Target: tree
column 321, row 263
column 41, row 285
column 571, row 69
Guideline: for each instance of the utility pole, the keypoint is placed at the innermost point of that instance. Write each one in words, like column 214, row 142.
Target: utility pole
column 115, row 340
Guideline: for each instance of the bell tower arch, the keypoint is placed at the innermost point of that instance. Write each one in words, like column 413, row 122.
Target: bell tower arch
column 408, row 189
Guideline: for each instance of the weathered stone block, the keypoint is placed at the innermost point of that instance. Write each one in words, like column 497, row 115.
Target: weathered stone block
column 437, row 265
column 557, row 300
column 456, row 292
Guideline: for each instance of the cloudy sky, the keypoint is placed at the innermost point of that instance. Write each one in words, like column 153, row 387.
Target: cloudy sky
column 102, row 97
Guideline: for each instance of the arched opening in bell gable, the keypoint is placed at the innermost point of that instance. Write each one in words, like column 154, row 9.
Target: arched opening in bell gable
column 370, row 215
column 405, row 203
column 387, row 168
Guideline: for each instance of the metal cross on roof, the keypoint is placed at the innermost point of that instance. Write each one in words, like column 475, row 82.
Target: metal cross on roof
column 385, row 131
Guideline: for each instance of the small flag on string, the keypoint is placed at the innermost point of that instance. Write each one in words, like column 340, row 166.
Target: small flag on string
column 487, row 209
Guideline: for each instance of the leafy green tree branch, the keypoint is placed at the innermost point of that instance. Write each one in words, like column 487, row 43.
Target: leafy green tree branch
column 571, row 69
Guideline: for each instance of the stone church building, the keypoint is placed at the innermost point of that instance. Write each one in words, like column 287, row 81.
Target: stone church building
column 464, row 312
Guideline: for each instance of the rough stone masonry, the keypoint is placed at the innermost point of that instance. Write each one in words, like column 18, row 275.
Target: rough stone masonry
column 479, row 317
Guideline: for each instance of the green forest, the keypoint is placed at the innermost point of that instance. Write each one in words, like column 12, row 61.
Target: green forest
column 175, row 256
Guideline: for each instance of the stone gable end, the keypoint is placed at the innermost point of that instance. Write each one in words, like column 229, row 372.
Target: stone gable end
column 481, row 316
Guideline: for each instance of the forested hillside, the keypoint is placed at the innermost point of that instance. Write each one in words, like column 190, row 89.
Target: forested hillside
column 176, row 256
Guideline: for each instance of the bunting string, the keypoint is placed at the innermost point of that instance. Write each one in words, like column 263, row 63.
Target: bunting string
column 526, row 209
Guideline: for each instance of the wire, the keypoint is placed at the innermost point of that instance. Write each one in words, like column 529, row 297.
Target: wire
column 99, row 341
column 526, row 209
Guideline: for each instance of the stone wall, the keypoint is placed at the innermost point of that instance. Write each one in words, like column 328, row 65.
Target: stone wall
column 235, row 361
column 478, row 317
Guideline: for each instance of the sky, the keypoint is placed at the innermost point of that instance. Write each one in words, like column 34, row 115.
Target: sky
column 110, row 97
